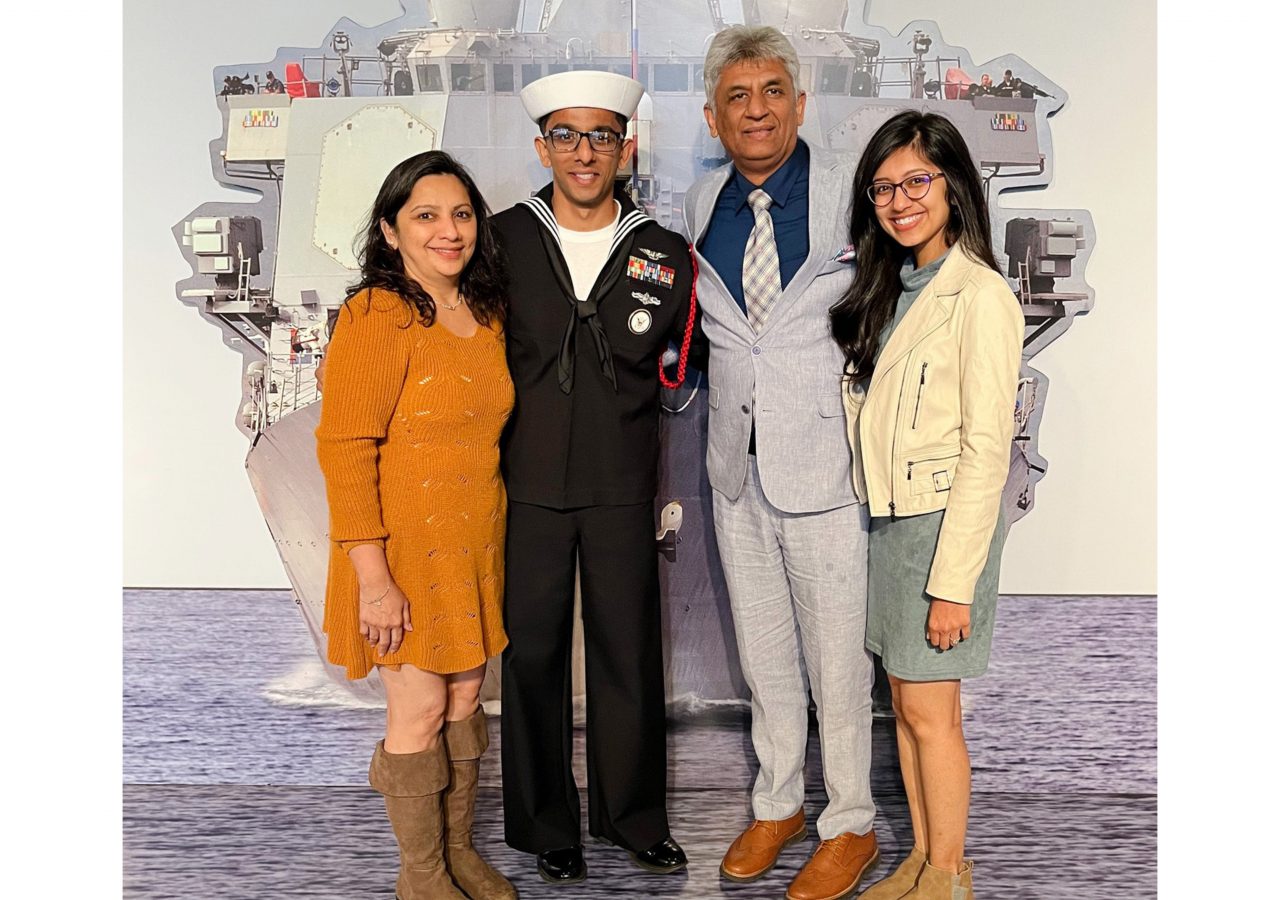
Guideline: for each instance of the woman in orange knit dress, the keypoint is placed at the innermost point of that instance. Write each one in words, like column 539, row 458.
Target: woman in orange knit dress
column 416, row 396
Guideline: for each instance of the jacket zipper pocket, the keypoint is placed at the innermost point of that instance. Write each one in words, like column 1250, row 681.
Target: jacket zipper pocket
column 911, row 464
column 915, row 418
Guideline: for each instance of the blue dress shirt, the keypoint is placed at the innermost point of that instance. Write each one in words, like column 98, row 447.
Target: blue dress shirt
column 725, row 242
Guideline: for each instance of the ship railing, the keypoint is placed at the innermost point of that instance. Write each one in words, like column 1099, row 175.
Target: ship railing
column 912, row 61
column 501, row 73
column 509, row 73
column 343, row 73
column 992, row 170
column 294, row 390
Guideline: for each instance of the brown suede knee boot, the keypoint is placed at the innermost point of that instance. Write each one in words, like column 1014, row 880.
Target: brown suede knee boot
column 411, row 784
column 466, row 741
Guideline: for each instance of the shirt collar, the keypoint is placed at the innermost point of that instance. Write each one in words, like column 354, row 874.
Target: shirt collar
column 780, row 184
column 620, row 193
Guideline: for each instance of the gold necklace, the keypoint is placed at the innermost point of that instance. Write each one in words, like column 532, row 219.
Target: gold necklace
column 461, row 301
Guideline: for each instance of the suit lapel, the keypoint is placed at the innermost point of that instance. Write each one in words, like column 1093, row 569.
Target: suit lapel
column 702, row 215
column 707, row 201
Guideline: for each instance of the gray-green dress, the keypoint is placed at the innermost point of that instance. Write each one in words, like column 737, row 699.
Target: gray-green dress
column 900, row 556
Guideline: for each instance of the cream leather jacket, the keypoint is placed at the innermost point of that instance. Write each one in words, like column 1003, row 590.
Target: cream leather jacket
column 933, row 429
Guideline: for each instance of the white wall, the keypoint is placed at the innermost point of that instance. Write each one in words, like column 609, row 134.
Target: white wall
column 190, row 518
column 1093, row 529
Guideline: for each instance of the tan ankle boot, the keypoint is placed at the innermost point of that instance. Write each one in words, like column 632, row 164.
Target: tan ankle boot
column 966, row 877
column 897, row 885
column 466, row 740
column 938, row 884
column 411, row 783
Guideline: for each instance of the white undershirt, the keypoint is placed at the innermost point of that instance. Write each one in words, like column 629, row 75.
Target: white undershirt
column 586, row 252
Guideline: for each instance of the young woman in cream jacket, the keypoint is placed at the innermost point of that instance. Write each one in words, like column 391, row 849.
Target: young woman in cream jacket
column 932, row 337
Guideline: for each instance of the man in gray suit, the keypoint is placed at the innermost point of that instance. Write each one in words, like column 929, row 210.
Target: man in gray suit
column 770, row 230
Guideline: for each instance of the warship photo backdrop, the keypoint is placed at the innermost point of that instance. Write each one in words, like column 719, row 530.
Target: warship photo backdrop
column 314, row 131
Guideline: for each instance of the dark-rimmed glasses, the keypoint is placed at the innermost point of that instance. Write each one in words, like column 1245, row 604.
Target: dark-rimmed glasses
column 914, row 188
column 566, row 140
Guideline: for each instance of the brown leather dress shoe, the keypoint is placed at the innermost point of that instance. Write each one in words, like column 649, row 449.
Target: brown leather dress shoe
column 836, row 867
column 756, row 849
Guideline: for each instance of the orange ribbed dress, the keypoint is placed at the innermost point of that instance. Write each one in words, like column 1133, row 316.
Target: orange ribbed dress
column 408, row 443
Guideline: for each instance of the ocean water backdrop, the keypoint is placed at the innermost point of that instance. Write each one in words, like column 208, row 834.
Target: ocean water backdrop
column 245, row 766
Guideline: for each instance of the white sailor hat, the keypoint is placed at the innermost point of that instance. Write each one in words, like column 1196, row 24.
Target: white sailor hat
column 567, row 90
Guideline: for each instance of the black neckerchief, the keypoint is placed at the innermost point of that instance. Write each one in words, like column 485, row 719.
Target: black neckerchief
column 585, row 311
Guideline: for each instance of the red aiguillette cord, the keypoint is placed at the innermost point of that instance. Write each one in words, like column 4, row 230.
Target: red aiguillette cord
column 688, row 330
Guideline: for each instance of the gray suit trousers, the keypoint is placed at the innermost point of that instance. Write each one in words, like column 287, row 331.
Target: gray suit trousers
column 798, row 591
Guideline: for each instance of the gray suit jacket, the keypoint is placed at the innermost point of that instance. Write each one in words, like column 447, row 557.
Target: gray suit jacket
column 792, row 368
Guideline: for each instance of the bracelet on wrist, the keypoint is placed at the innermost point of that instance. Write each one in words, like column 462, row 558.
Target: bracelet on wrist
column 378, row 601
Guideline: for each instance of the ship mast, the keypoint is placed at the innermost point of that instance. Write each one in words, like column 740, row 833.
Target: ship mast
column 717, row 17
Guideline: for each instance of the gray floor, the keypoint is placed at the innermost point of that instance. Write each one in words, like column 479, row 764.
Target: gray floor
column 185, row 841
column 243, row 780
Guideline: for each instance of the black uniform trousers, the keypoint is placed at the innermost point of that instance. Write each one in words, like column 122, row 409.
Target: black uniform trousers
column 626, row 708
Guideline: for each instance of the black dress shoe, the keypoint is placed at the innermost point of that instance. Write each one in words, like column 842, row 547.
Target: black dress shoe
column 663, row 857
column 562, row 866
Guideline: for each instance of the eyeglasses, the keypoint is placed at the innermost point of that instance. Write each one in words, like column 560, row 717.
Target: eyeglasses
column 566, row 140
column 915, row 188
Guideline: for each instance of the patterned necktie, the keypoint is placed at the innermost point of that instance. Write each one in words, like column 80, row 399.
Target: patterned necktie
column 761, row 275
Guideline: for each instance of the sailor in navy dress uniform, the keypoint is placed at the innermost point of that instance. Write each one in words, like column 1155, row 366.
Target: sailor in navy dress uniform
column 599, row 291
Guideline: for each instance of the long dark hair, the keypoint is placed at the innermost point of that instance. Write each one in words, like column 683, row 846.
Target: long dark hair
column 484, row 280
column 861, row 314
